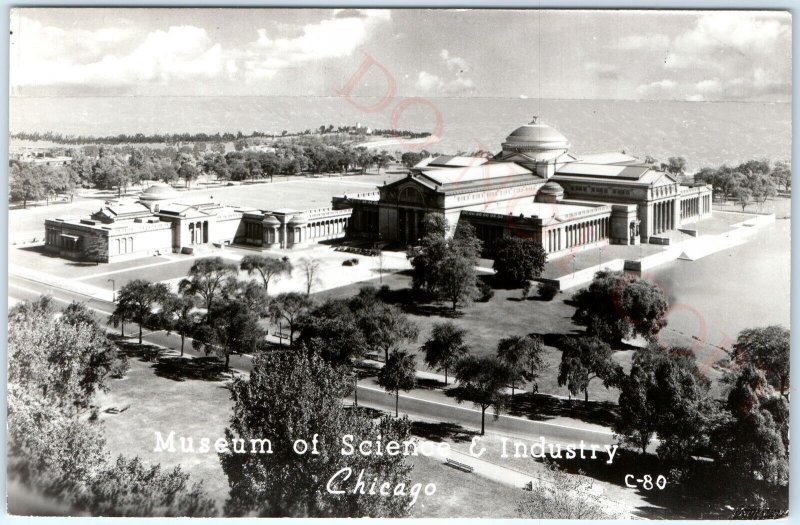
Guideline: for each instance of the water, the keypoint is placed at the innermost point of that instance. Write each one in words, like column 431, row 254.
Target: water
column 716, row 297
column 705, row 133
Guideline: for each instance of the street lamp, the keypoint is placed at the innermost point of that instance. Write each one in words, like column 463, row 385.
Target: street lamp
column 355, row 387
column 113, row 291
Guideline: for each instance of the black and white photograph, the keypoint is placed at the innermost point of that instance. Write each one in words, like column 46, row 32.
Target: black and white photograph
column 399, row 263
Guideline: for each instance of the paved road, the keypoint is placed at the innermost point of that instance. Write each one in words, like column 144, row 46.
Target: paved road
column 416, row 407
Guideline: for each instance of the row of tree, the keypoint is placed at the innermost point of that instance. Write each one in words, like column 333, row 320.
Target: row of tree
column 120, row 168
column 752, row 181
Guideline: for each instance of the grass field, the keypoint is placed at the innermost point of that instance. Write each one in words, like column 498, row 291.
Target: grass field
column 200, row 406
column 486, row 323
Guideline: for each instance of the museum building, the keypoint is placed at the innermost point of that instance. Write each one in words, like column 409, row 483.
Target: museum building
column 161, row 221
column 534, row 188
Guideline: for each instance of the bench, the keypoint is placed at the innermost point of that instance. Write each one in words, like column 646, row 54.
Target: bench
column 458, row 465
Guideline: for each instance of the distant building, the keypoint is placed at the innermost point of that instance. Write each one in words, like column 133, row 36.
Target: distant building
column 533, row 188
column 161, row 221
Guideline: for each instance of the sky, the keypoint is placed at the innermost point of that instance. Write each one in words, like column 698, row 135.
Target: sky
column 630, row 55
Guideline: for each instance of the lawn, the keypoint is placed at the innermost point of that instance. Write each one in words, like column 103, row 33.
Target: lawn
column 461, row 494
column 165, row 403
column 160, row 400
column 486, row 323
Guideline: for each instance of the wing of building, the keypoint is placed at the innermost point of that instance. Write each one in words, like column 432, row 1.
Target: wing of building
column 534, row 188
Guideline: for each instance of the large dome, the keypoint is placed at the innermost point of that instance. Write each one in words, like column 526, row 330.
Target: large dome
column 158, row 192
column 537, row 140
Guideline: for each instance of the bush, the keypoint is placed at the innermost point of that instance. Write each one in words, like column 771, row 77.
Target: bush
column 485, row 292
column 350, row 262
column 547, row 291
column 119, row 367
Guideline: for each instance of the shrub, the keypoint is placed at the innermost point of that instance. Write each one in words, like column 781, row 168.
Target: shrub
column 120, row 367
column 485, row 292
column 547, row 290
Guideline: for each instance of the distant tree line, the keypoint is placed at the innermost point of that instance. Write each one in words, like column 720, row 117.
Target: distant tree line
column 177, row 138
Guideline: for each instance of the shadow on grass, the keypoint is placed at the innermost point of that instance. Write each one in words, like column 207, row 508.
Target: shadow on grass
column 144, row 352
column 543, row 407
column 182, row 368
column 442, row 431
column 539, row 407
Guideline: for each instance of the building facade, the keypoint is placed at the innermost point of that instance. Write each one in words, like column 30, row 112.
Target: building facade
column 160, row 222
column 534, row 188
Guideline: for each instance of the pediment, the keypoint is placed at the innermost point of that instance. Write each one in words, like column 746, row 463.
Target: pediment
column 409, row 191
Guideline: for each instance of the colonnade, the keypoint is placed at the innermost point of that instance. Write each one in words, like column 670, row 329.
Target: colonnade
column 572, row 235
column 663, row 216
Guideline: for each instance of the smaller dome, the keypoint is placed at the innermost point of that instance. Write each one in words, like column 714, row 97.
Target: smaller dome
column 158, row 192
column 270, row 220
column 298, row 220
column 552, row 187
column 551, row 192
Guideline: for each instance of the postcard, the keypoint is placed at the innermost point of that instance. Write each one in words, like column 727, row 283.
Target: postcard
column 399, row 263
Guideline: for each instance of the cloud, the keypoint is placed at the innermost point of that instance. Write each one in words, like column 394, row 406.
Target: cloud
column 109, row 57
column 658, row 89
column 603, row 71
column 454, row 63
column 456, row 82
column 339, row 36
column 721, row 56
column 434, row 84
column 748, row 54
column 651, row 41
column 67, row 58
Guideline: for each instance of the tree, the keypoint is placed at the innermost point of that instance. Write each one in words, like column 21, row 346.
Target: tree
column 310, row 268
column 188, row 172
column 178, row 314
column 584, row 359
column 410, row 158
column 447, row 267
column 483, row 382
column 26, row 183
column 666, row 394
column 289, row 307
column 269, row 268
column 208, row 279
column 56, row 366
column 768, row 350
column 523, row 357
column 63, row 361
column 399, row 373
column 782, row 174
column 562, row 496
column 331, row 331
column 445, row 347
column 386, row 327
column 743, row 196
column 518, row 260
column 618, row 306
column 291, row 395
column 675, row 165
column 136, row 301
column 232, row 328
column 752, row 444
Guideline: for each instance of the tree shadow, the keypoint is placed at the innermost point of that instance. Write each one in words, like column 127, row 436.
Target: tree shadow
column 541, row 407
column 439, row 432
column 431, row 384
column 183, row 368
column 144, row 352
